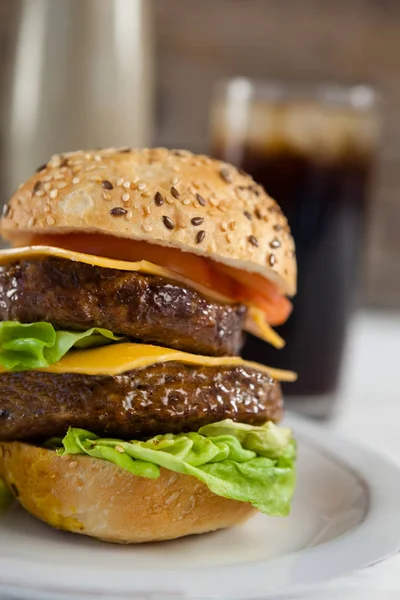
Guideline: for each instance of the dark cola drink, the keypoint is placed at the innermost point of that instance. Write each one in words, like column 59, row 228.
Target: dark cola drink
column 315, row 158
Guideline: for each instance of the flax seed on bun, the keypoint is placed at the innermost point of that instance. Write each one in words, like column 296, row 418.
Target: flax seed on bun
column 168, row 197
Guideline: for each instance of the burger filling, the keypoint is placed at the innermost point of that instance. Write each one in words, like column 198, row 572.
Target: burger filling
column 137, row 369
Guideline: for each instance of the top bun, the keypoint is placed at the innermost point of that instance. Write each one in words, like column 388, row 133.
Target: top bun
column 168, row 197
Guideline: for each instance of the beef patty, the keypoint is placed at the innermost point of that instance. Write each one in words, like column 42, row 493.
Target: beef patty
column 162, row 398
column 73, row 295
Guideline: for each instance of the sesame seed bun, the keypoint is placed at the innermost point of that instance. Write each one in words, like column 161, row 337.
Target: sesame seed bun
column 168, row 197
column 96, row 498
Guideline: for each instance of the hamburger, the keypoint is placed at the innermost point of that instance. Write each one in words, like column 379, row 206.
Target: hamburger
column 126, row 413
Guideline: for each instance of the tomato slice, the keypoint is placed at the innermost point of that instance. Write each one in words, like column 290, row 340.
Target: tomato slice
column 276, row 311
column 188, row 265
column 255, row 289
column 235, row 284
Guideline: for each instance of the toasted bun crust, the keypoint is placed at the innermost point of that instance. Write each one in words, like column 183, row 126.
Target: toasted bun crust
column 168, row 197
column 95, row 498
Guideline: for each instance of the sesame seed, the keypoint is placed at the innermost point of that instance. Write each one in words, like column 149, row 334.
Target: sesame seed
column 232, row 225
column 169, row 200
column 147, row 227
column 224, row 226
column 229, row 238
column 41, row 168
column 118, row 211
column 275, row 243
column 225, row 174
column 278, row 227
column 47, row 186
column 47, row 208
column 5, row 210
column 175, row 192
column 50, row 220
column 31, row 222
column 47, row 178
column 120, row 181
column 75, row 180
column 127, row 184
column 36, row 187
column 247, row 215
column 97, row 158
column 146, row 194
column 253, row 240
column 107, row 185
column 106, row 196
column 196, row 221
column 62, row 185
column 126, row 197
column 64, row 163
column 200, row 200
column 58, row 177
column 175, row 180
column 169, row 224
column 142, row 186
column 271, row 259
column 146, row 210
column 133, row 185
column 40, row 193
column 158, row 199
column 200, row 236
column 53, row 194
column 258, row 213
column 186, row 201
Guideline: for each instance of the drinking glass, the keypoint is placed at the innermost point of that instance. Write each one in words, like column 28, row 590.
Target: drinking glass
column 312, row 148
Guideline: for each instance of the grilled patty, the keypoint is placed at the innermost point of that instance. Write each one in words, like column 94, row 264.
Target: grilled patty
column 163, row 398
column 73, row 295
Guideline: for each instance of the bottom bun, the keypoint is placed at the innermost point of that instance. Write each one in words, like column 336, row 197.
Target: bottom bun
column 96, row 498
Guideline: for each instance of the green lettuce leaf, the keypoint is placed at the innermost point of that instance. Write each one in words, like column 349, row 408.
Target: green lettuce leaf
column 241, row 462
column 38, row 345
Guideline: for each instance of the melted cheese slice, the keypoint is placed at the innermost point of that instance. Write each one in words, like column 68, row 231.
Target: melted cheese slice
column 255, row 322
column 258, row 326
column 116, row 359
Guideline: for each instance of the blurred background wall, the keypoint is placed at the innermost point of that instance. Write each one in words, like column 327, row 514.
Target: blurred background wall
column 197, row 43
column 346, row 41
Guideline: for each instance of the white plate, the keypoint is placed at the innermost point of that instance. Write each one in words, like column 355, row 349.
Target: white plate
column 345, row 516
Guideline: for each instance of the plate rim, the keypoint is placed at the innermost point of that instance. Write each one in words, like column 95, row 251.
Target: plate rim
column 380, row 476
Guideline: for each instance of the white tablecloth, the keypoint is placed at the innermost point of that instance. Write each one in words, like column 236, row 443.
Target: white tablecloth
column 370, row 414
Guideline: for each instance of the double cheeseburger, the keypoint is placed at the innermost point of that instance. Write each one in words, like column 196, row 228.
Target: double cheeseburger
column 126, row 413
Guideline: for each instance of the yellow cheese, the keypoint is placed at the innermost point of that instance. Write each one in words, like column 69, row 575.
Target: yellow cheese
column 142, row 266
column 257, row 325
column 116, row 359
column 255, row 322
